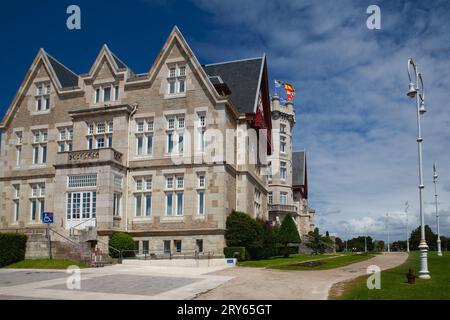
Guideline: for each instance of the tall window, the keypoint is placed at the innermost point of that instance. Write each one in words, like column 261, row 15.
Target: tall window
column 201, row 194
column 257, row 203
column 144, row 137
column 100, row 135
column 143, row 196
column 283, row 198
column 117, row 203
column 283, row 171
column 282, row 144
column 177, row 244
column 176, row 80
column 270, row 198
column 269, row 170
column 201, row 131
column 175, row 134
column 37, row 200
column 18, row 148
column 174, row 195
column 40, row 146
column 16, row 202
column 81, row 205
column 106, row 93
column 65, row 137
column 42, row 96
column 282, row 128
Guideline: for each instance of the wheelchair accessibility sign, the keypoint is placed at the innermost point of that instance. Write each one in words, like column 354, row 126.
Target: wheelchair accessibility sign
column 47, row 217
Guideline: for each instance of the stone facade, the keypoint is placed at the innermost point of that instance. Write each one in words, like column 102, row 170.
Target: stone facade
column 288, row 175
column 119, row 151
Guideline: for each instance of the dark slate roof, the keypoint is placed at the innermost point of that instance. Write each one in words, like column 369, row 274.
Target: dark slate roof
column 66, row 77
column 298, row 168
column 119, row 62
column 242, row 78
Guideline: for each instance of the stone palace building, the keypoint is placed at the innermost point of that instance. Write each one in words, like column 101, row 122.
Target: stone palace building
column 164, row 155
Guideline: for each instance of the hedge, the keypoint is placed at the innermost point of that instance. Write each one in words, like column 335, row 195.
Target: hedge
column 123, row 242
column 230, row 252
column 12, row 248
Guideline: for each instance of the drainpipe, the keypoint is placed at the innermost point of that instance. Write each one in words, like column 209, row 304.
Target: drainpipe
column 128, row 165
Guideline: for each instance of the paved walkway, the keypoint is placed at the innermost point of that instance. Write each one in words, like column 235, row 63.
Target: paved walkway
column 112, row 283
column 260, row 284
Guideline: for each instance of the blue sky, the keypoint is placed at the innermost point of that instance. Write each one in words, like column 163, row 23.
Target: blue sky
column 353, row 117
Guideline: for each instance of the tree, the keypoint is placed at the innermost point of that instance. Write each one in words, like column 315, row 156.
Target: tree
column 288, row 233
column 317, row 243
column 243, row 231
column 269, row 239
column 378, row 245
column 340, row 245
column 359, row 243
column 430, row 237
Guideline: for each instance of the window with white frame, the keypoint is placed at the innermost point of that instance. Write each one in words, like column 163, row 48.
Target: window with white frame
column 143, row 196
column 175, row 134
column 257, row 203
column 117, row 204
column 42, row 96
column 283, row 198
column 82, row 181
column 174, row 196
column 201, row 131
column 39, row 144
column 100, row 135
column 118, row 181
column 144, row 137
column 65, row 136
column 283, row 171
column 176, row 80
column 19, row 141
column 201, row 194
column 106, row 93
column 270, row 198
column 16, row 202
column 283, row 144
column 81, row 205
column 37, row 200
column 269, row 170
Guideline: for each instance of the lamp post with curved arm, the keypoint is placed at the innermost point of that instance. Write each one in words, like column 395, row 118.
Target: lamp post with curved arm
column 416, row 90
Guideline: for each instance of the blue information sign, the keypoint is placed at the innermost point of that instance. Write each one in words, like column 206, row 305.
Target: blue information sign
column 47, row 217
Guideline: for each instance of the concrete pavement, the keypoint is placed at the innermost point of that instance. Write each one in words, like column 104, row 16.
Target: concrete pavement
column 260, row 284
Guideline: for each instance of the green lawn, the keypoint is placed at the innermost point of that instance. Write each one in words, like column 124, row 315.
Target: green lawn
column 394, row 286
column 326, row 264
column 301, row 262
column 45, row 264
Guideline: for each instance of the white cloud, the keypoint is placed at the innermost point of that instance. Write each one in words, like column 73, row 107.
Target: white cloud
column 353, row 116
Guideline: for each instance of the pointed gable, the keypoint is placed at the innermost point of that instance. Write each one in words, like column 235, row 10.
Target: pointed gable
column 107, row 64
column 43, row 65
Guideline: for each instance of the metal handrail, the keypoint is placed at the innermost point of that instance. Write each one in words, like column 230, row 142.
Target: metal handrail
column 77, row 225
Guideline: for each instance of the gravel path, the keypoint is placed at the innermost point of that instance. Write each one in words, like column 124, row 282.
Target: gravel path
column 260, row 284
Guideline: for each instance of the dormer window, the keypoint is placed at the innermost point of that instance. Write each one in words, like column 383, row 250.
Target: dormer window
column 176, row 81
column 107, row 93
column 42, row 96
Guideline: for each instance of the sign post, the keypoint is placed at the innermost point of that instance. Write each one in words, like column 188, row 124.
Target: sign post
column 47, row 218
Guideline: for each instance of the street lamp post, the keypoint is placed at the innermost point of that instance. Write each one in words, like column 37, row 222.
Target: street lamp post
column 407, row 231
column 387, row 226
column 435, row 177
column 416, row 90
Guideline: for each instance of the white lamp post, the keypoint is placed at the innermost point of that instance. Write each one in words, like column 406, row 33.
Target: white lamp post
column 387, row 226
column 416, row 90
column 407, row 231
column 435, row 177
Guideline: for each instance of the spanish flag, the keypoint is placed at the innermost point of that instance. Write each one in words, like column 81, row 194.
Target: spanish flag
column 290, row 91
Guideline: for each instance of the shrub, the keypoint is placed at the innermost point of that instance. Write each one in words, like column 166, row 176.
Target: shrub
column 288, row 233
column 230, row 252
column 123, row 242
column 12, row 248
column 243, row 231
